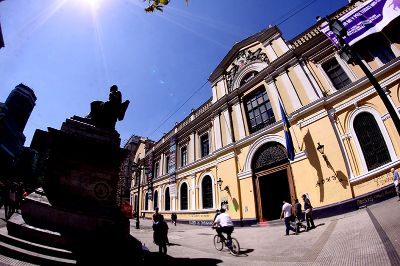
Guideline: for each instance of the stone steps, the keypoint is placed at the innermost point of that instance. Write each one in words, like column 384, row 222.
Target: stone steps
column 32, row 252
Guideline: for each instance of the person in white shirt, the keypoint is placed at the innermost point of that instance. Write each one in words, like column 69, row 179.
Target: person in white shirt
column 396, row 181
column 224, row 223
column 286, row 214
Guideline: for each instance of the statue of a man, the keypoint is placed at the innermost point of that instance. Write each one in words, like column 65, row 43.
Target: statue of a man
column 106, row 114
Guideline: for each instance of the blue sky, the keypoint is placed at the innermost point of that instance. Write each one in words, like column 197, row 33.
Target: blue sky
column 71, row 51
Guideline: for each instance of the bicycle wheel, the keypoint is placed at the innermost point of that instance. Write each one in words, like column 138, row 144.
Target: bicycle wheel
column 235, row 247
column 218, row 243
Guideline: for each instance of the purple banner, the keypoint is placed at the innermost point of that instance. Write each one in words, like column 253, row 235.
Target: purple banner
column 368, row 18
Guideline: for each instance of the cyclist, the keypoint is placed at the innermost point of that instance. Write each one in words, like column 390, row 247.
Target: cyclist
column 224, row 225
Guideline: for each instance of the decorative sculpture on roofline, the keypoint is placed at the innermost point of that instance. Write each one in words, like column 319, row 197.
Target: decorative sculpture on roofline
column 105, row 114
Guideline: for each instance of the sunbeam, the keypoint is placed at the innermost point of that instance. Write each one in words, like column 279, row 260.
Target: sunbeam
column 99, row 41
column 34, row 24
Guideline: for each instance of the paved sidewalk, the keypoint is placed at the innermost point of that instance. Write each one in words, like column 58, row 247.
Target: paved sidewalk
column 369, row 236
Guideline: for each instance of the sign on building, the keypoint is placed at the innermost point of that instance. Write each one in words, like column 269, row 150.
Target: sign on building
column 368, row 18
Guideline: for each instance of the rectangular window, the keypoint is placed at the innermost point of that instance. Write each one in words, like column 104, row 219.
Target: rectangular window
column 336, row 74
column 167, row 164
column 205, row 149
column 184, row 156
column 156, row 169
column 259, row 110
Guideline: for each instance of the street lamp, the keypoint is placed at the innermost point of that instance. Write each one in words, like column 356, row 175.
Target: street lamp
column 137, row 168
column 219, row 182
column 337, row 27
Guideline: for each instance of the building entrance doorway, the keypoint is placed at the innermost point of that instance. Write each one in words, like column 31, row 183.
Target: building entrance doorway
column 273, row 189
column 272, row 180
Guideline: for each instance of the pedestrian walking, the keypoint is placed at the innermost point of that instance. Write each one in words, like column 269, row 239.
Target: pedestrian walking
column 174, row 217
column 156, row 216
column 396, row 181
column 287, row 215
column 308, row 212
column 161, row 235
column 299, row 214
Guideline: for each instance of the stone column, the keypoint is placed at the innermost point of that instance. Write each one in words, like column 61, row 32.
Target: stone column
column 291, row 91
column 308, row 87
column 239, row 120
column 274, row 98
column 227, row 126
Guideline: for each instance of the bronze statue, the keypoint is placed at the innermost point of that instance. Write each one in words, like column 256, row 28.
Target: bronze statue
column 105, row 114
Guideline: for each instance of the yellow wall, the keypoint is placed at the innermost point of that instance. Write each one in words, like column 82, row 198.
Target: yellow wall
column 227, row 173
column 373, row 183
column 314, row 169
column 248, row 200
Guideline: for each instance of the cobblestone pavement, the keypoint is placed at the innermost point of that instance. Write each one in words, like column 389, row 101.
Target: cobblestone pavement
column 369, row 236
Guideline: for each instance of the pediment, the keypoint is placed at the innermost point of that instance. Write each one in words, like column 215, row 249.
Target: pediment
column 245, row 52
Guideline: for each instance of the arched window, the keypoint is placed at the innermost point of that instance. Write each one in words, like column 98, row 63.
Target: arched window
column 184, row 196
column 167, row 200
column 371, row 141
column 206, row 192
column 146, row 201
column 155, row 200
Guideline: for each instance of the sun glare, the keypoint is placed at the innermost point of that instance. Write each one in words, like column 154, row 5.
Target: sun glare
column 92, row 3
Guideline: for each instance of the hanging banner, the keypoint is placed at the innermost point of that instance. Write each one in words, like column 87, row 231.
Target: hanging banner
column 172, row 156
column 150, row 177
column 368, row 18
column 172, row 166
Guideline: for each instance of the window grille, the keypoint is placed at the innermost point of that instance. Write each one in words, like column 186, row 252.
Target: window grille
column 259, row 110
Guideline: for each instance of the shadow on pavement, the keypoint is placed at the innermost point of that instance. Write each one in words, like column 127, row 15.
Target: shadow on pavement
column 165, row 260
column 245, row 251
column 173, row 244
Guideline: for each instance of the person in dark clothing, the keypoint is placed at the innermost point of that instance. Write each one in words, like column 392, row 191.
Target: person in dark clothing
column 308, row 211
column 174, row 217
column 298, row 213
column 156, row 216
column 161, row 235
column 217, row 212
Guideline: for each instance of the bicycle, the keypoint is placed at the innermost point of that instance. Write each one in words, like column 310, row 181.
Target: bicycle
column 232, row 245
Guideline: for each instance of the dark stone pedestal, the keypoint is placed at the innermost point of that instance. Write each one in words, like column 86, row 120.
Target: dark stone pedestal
column 80, row 193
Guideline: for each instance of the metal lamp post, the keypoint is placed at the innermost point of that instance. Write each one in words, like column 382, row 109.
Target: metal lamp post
column 137, row 168
column 337, row 27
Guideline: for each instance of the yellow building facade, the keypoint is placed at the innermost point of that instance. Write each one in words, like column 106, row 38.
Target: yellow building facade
column 231, row 151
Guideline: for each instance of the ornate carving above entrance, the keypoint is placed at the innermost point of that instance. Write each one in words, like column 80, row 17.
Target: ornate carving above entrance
column 242, row 59
column 270, row 154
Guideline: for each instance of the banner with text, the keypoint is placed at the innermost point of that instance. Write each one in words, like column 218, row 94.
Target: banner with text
column 368, row 18
column 172, row 166
column 150, row 176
